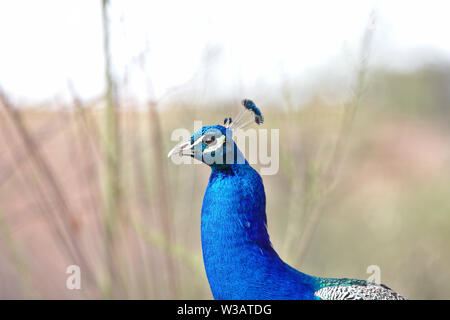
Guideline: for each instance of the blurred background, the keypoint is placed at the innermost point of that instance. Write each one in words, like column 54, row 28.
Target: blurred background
column 90, row 92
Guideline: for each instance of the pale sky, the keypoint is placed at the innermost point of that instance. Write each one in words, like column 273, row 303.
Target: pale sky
column 45, row 43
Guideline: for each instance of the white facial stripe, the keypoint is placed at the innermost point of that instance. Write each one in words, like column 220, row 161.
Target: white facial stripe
column 217, row 145
column 199, row 140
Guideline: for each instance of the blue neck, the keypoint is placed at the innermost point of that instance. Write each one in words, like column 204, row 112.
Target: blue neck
column 239, row 259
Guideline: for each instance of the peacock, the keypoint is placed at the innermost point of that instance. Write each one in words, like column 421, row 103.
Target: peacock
column 239, row 259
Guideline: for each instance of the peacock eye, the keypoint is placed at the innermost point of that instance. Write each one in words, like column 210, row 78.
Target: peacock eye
column 209, row 139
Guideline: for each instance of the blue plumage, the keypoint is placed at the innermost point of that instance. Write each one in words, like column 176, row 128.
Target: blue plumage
column 239, row 259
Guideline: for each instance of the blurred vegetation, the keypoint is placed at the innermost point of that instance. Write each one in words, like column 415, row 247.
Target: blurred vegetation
column 364, row 181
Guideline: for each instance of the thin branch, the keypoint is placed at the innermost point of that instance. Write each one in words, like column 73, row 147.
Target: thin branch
column 329, row 178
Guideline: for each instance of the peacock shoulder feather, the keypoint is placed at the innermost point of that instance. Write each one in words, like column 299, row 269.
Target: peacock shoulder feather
column 352, row 289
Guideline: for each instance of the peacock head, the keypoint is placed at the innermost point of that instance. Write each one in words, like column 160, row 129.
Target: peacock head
column 214, row 145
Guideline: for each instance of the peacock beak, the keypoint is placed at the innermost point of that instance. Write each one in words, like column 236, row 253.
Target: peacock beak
column 181, row 149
